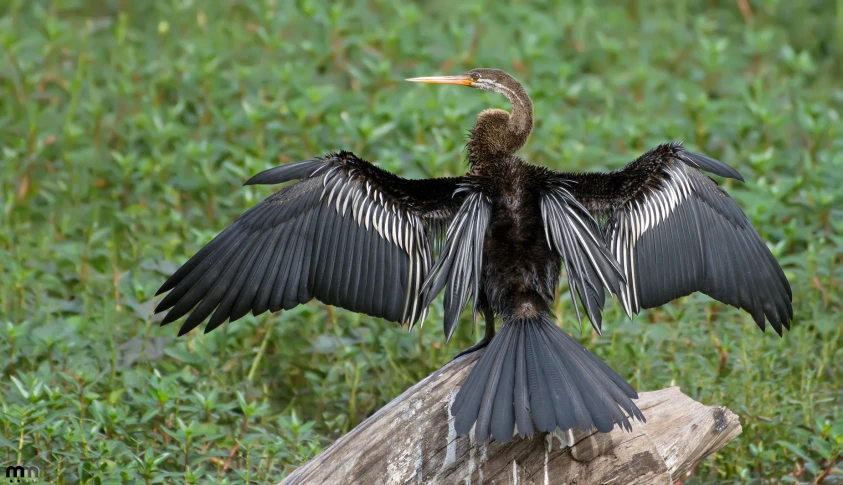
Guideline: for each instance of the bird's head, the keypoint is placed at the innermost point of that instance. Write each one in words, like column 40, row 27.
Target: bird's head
column 481, row 78
column 496, row 131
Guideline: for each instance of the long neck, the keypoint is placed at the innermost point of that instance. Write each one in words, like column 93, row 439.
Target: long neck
column 498, row 133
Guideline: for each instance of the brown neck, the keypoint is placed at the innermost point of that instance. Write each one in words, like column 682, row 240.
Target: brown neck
column 498, row 133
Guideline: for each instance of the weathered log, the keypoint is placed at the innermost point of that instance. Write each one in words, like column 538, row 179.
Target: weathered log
column 412, row 440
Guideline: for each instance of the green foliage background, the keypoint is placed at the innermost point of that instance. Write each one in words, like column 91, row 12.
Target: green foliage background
column 127, row 128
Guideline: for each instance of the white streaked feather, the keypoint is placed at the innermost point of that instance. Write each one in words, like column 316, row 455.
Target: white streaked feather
column 661, row 206
column 410, row 282
column 328, row 176
column 603, row 277
column 343, row 188
column 334, row 189
column 642, row 216
column 377, row 221
column 373, row 211
column 633, row 294
column 348, row 196
column 368, row 216
column 325, row 185
column 463, row 254
column 400, row 234
column 392, row 228
column 380, row 218
column 355, row 205
column 319, row 169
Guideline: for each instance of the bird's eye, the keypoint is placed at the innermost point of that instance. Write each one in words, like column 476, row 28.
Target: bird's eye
column 475, row 76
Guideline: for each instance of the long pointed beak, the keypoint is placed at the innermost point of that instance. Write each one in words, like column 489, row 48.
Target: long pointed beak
column 460, row 80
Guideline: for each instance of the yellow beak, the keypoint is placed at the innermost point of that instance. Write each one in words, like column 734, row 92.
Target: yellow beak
column 461, row 80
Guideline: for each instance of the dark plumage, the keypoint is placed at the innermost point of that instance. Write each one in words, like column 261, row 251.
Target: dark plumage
column 355, row 236
column 674, row 231
column 348, row 234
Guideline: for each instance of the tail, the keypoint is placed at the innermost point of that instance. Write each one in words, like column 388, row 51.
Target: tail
column 534, row 368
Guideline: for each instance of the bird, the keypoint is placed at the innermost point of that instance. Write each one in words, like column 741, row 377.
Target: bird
column 352, row 235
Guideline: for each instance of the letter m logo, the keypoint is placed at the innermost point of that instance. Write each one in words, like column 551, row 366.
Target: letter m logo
column 22, row 472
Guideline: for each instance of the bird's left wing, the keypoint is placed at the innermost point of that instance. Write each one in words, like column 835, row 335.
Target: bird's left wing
column 674, row 231
column 348, row 234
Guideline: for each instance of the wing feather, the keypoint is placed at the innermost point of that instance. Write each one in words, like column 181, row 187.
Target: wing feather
column 574, row 234
column 458, row 268
column 674, row 231
column 348, row 234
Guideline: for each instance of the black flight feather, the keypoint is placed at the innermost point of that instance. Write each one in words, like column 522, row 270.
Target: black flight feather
column 348, row 234
column 674, row 231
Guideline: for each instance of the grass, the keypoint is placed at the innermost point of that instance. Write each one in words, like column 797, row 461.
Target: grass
column 127, row 128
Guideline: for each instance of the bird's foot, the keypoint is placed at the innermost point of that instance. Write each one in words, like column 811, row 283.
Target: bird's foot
column 479, row 345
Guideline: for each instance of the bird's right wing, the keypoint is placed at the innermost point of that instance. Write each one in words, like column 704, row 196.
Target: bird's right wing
column 348, row 234
column 674, row 231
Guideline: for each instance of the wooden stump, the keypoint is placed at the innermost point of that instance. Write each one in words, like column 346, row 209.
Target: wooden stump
column 412, row 440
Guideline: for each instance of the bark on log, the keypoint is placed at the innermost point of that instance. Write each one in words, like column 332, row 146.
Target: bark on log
column 412, row 440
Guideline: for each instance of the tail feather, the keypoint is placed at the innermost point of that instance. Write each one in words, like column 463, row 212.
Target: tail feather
column 597, row 389
column 541, row 405
column 521, row 391
column 503, row 414
column 570, row 401
column 600, row 377
column 466, row 405
column 491, row 393
column 535, row 375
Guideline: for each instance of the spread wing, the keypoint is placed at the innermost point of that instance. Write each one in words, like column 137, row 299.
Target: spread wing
column 674, row 231
column 348, row 234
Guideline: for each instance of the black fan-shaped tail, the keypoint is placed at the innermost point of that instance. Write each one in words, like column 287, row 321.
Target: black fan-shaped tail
column 535, row 375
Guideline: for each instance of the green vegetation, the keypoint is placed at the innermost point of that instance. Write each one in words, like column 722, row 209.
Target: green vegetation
column 127, row 128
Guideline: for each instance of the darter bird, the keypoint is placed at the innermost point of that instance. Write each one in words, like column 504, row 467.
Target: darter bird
column 352, row 235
